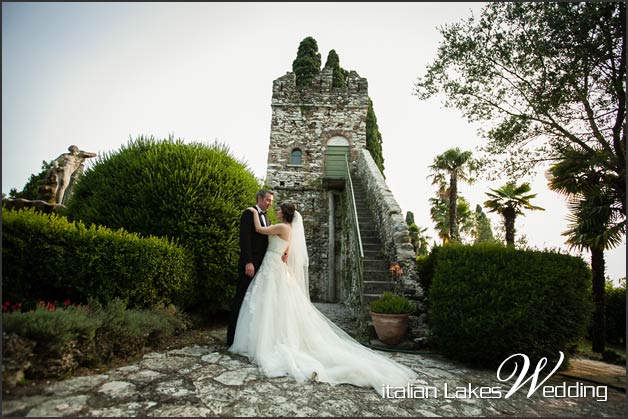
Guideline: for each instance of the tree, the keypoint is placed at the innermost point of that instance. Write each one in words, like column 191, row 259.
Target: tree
column 482, row 231
column 307, row 65
column 409, row 218
column 338, row 74
column 543, row 76
column 595, row 222
column 31, row 189
column 457, row 165
column 508, row 201
column 440, row 213
column 418, row 238
column 374, row 138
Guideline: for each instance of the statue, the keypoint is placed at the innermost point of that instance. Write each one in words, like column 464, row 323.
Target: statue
column 67, row 168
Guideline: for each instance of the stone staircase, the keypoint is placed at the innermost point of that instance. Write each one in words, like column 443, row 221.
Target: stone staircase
column 377, row 278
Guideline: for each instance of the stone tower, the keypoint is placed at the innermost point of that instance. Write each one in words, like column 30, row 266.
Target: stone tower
column 312, row 130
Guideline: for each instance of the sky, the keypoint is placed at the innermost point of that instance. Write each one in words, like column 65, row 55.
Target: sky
column 98, row 74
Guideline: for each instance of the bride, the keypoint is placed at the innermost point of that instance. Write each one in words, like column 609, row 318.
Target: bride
column 284, row 334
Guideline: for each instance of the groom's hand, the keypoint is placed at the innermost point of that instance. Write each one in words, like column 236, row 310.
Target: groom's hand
column 249, row 270
column 284, row 257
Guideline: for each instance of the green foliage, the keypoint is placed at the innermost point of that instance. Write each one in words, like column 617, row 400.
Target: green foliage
column 307, row 65
column 46, row 257
column 448, row 168
column 31, row 189
column 595, row 220
column 616, row 313
column 52, row 329
column 482, row 232
column 338, row 74
column 509, row 201
column 390, row 303
column 409, row 218
column 425, row 265
column 97, row 331
column 542, row 77
column 193, row 193
column 488, row 302
column 374, row 138
column 440, row 214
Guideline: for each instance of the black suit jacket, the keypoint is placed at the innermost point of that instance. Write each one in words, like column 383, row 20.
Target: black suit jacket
column 252, row 244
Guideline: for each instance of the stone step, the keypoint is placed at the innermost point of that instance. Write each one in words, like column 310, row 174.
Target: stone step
column 369, row 235
column 373, row 254
column 375, row 264
column 377, row 287
column 376, row 275
column 370, row 246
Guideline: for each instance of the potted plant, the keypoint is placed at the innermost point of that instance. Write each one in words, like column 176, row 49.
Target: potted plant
column 390, row 312
column 390, row 317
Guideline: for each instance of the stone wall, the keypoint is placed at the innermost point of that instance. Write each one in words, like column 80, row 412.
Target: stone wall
column 393, row 231
column 306, row 118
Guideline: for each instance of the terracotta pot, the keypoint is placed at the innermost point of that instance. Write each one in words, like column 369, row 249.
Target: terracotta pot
column 390, row 328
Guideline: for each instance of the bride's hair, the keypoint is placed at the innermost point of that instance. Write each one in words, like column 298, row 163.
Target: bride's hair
column 287, row 210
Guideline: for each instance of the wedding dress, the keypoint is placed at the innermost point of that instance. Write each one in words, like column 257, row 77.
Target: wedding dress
column 284, row 334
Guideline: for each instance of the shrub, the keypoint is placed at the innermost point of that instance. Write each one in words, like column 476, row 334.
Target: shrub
column 65, row 338
column 190, row 192
column 425, row 268
column 616, row 313
column 51, row 329
column 48, row 257
column 488, row 302
column 390, row 303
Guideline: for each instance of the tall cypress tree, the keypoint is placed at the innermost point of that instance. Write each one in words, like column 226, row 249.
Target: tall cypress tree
column 374, row 138
column 307, row 65
column 339, row 74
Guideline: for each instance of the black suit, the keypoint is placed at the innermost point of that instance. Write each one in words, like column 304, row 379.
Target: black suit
column 252, row 250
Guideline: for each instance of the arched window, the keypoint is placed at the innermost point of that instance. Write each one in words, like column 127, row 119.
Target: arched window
column 296, row 157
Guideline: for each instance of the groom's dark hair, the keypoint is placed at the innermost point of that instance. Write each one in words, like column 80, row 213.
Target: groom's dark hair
column 262, row 193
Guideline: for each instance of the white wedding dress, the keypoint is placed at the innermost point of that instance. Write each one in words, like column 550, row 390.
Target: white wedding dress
column 284, row 334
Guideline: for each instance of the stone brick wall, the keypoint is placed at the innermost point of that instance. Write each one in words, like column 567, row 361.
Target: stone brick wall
column 306, row 118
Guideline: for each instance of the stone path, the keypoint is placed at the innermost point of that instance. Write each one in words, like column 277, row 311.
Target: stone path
column 208, row 381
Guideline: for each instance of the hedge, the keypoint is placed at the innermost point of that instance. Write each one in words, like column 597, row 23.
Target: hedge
column 194, row 193
column 488, row 302
column 46, row 257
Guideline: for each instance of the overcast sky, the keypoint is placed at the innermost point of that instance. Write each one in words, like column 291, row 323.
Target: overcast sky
column 96, row 74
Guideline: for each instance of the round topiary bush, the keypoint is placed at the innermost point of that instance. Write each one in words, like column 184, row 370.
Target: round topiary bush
column 488, row 302
column 193, row 193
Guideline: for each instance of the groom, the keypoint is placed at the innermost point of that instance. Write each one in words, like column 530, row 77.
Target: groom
column 252, row 250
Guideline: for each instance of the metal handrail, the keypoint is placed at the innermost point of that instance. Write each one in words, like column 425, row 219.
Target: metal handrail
column 354, row 217
column 355, row 210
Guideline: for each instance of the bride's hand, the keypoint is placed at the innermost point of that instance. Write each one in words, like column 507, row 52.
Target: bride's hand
column 253, row 210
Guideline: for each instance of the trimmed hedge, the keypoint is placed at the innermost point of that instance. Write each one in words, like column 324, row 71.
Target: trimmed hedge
column 194, row 193
column 488, row 302
column 46, row 257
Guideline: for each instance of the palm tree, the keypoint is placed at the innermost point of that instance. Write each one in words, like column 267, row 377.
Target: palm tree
column 458, row 165
column 441, row 215
column 508, row 201
column 596, row 221
column 419, row 239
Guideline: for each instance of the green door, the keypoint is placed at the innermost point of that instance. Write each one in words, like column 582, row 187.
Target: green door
column 335, row 163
